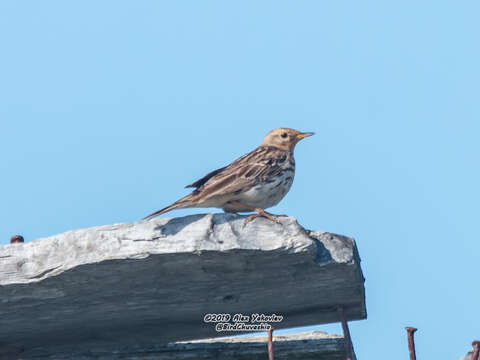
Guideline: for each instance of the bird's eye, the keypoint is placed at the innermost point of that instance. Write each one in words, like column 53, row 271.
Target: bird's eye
column 284, row 135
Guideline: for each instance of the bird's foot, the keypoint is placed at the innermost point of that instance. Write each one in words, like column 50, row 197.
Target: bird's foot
column 261, row 213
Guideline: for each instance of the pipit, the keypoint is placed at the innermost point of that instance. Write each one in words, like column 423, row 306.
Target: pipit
column 253, row 182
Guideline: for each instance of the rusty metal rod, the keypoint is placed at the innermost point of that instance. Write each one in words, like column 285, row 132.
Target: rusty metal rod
column 411, row 342
column 270, row 344
column 346, row 334
column 476, row 349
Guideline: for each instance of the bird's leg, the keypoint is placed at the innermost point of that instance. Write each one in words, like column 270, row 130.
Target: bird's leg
column 275, row 215
column 260, row 212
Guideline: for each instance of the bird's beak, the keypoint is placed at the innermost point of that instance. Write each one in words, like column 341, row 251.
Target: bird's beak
column 304, row 135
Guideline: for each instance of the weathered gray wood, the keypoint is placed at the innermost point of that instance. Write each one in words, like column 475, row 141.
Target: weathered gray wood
column 314, row 345
column 144, row 283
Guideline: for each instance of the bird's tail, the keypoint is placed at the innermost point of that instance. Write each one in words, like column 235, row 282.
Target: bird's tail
column 180, row 204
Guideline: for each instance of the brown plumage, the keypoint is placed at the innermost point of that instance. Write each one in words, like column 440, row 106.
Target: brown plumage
column 253, row 182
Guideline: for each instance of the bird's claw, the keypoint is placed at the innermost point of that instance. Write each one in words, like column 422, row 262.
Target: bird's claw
column 261, row 214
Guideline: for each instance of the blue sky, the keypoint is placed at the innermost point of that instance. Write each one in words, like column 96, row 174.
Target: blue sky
column 107, row 109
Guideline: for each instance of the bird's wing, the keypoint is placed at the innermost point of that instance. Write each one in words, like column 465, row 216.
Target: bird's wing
column 242, row 174
column 204, row 179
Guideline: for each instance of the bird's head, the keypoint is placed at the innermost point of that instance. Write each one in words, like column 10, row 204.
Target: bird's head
column 284, row 138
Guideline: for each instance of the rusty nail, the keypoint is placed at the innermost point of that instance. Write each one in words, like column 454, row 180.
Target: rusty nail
column 16, row 239
column 411, row 342
column 346, row 333
column 270, row 343
column 476, row 349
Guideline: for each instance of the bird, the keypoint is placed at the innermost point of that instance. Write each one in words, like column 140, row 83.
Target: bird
column 252, row 183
